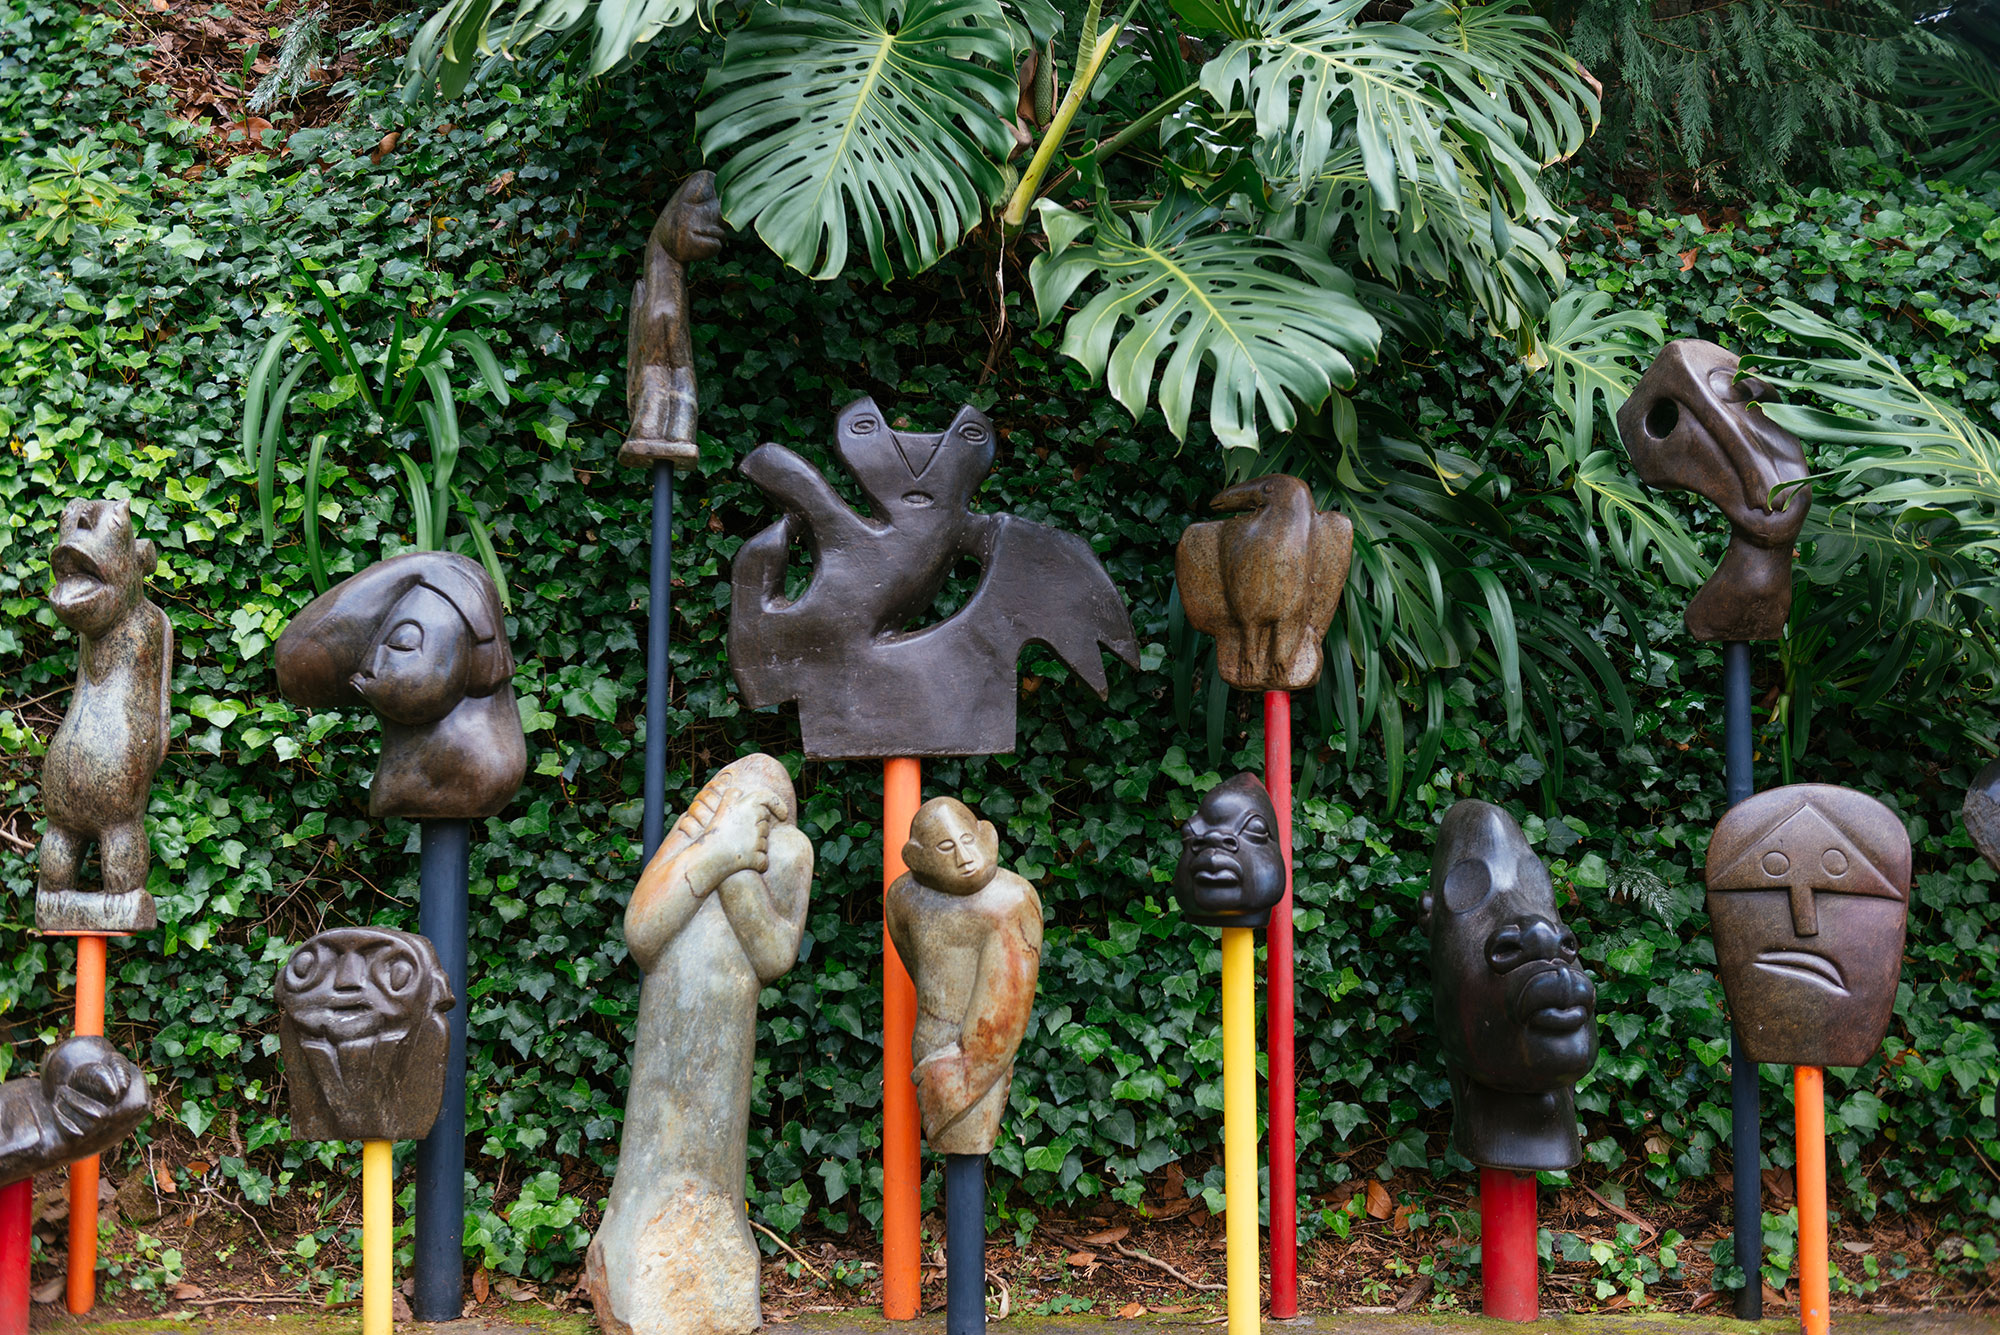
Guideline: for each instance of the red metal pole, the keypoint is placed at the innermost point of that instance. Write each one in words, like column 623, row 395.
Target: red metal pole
column 902, row 1177
column 90, row 950
column 1508, row 1269
column 17, row 1222
column 1283, row 1153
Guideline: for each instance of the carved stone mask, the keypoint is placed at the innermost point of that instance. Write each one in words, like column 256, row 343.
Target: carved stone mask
column 950, row 849
column 1690, row 423
column 363, row 1030
column 1808, row 894
column 1982, row 813
column 693, row 220
column 1232, row 868
column 100, row 569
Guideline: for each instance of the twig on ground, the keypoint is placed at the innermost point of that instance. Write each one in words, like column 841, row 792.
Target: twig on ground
column 1413, row 1293
column 1622, row 1213
column 1123, row 1250
column 302, row 1298
column 1006, row 1294
column 19, row 844
column 790, row 1251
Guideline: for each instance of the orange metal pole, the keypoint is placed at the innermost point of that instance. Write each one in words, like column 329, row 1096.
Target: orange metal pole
column 1809, row 1123
column 83, row 1173
column 902, row 1247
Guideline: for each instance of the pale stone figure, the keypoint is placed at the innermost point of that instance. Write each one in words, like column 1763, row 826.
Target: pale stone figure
column 718, row 914
column 970, row 933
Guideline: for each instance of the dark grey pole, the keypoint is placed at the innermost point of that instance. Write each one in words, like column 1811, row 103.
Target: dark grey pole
column 439, row 1271
column 1744, row 1131
column 658, row 669
column 965, row 1244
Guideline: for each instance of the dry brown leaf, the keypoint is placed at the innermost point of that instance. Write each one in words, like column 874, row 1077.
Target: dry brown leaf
column 1083, row 1258
column 386, row 147
column 1109, row 1236
column 185, row 1292
column 1172, row 1209
column 49, row 1290
column 197, row 1166
column 163, row 1180
column 1401, row 1223
column 482, row 1285
column 1379, row 1204
column 1617, row 1302
column 1706, row 1299
column 1170, row 1311
column 1130, row 1310
column 1687, row 259
column 1858, row 1248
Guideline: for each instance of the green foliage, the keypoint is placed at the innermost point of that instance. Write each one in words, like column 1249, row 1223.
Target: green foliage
column 123, row 352
column 1954, row 93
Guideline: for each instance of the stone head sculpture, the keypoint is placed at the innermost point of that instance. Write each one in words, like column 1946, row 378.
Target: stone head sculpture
column 1692, row 423
column 419, row 639
column 970, row 933
column 1981, row 813
column 1808, row 895
column 1265, row 582
column 98, row 776
column 86, row 1098
column 1516, row 1015
column 659, row 373
column 362, row 1028
column 868, row 682
column 1232, row 868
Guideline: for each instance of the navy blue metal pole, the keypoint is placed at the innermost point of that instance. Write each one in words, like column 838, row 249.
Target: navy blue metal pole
column 658, row 669
column 965, row 1244
column 439, row 1271
column 1744, row 1131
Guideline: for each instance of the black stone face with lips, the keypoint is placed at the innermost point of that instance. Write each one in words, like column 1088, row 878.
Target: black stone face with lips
column 1232, row 869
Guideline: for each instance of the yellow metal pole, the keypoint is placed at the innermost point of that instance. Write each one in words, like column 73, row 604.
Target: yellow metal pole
column 378, row 1238
column 1239, row 1124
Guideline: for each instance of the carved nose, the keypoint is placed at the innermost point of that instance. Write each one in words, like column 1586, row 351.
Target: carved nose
column 350, row 974
column 1529, row 939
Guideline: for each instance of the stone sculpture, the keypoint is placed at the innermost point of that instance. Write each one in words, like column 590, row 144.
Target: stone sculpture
column 659, row 374
column 866, row 685
column 1232, row 869
column 363, row 1031
column 970, row 933
column 717, row 916
column 1809, row 894
column 1265, row 583
column 420, row 639
column 1982, row 813
column 1691, row 423
column 86, row 1098
column 1516, row 1015
column 98, row 775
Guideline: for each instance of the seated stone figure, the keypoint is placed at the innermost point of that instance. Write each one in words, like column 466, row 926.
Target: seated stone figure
column 970, row 933
column 86, row 1099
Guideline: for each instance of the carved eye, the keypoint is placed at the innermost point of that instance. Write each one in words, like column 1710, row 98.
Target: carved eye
column 974, row 433
column 1254, row 828
column 947, row 845
column 407, row 637
column 395, row 973
column 1466, row 885
column 1662, row 418
column 304, row 968
column 864, row 425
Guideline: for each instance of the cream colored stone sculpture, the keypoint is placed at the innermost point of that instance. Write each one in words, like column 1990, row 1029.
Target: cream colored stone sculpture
column 970, row 933
column 718, row 914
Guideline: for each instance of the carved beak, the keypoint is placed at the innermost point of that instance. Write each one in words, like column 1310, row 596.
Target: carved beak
column 1242, row 498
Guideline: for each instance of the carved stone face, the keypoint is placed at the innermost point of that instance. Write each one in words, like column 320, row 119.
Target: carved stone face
column 362, row 1025
column 950, row 849
column 1808, row 893
column 415, row 671
column 693, row 219
column 903, row 471
column 1514, row 1009
column 100, row 569
column 1232, row 868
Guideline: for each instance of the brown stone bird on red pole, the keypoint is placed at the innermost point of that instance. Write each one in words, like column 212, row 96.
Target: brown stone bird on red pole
column 1265, row 582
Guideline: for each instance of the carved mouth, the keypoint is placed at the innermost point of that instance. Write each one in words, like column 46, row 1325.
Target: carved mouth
column 1805, row 966
column 77, row 576
column 918, row 498
column 1549, row 997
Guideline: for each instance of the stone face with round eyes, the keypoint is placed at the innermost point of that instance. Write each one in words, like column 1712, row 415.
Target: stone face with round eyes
column 1808, row 896
column 362, row 1027
column 1232, row 868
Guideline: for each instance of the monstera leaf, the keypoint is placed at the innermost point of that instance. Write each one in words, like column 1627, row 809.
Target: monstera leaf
column 1955, row 94
column 1274, row 321
column 450, row 40
column 1595, row 354
column 1307, row 68
column 885, row 115
column 1525, row 69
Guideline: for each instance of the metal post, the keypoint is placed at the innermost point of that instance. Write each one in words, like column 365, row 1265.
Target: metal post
column 17, row 1243
column 439, row 1270
column 83, row 1174
column 1809, row 1119
column 1745, row 1135
column 1509, row 1269
column 965, row 1244
column 659, row 621
column 1279, row 1024
column 902, row 1173
column 1239, row 1126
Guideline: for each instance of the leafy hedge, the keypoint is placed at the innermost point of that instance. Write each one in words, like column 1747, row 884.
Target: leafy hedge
column 123, row 348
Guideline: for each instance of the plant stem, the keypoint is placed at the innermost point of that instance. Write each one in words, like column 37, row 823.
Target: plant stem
column 1086, row 73
column 1117, row 143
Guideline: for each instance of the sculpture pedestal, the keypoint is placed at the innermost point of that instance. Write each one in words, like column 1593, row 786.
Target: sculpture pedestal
column 439, row 1266
column 1239, row 1125
column 17, row 1244
column 82, row 1295
column 1809, row 1121
column 902, row 1175
column 1509, row 1272
column 965, row 1244
column 378, row 1238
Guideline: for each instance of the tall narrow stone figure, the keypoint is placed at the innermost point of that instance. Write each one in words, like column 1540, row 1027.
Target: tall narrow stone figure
column 718, row 915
